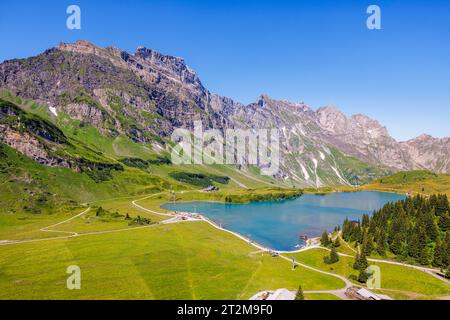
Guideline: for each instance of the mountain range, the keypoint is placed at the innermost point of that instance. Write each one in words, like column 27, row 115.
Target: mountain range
column 146, row 95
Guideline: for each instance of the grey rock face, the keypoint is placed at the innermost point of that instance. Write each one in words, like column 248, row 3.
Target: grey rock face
column 30, row 146
column 157, row 93
column 428, row 152
column 363, row 138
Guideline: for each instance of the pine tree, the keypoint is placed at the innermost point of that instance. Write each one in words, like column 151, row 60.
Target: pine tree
column 337, row 243
column 334, row 257
column 356, row 262
column 345, row 229
column 365, row 220
column 446, row 257
column 444, row 222
column 439, row 259
column 299, row 294
column 361, row 262
column 397, row 245
column 363, row 276
column 431, row 229
column 325, row 240
column 442, row 204
column 381, row 243
column 367, row 244
column 422, row 255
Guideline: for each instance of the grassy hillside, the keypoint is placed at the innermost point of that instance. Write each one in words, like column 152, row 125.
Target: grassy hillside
column 102, row 166
column 424, row 182
column 27, row 186
column 412, row 283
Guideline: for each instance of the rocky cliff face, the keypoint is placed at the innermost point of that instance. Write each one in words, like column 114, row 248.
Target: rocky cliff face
column 145, row 95
column 363, row 138
column 428, row 152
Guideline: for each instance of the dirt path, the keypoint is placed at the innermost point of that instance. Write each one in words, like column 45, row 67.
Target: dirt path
column 46, row 229
column 430, row 271
column 339, row 293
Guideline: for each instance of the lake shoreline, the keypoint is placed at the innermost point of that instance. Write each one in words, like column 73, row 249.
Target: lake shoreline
column 278, row 224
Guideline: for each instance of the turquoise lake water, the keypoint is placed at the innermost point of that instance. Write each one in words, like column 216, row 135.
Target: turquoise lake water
column 278, row 224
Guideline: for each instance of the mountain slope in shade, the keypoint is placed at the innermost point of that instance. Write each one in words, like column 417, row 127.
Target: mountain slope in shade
column 146, row 95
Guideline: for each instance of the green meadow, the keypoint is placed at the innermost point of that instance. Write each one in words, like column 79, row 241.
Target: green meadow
column 408, row 282
column 177, row 261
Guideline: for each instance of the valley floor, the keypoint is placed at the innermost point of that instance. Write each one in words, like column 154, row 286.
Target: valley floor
column 187, row 260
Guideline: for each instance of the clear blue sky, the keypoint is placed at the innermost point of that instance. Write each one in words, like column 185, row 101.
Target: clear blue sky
column 316, row 51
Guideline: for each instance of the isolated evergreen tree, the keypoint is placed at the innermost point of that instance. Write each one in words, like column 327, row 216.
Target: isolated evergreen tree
column 100, row 211
column 337, row 243
column 361, row 262
column 325, row 240
column 363, row 276
column 299, row 294
column 356, row 262
column 334, row 257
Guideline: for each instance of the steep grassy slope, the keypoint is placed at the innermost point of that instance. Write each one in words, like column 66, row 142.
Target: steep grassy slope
column 94, row 166
column 31, row 187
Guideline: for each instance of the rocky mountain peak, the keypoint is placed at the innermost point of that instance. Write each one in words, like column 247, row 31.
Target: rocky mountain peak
column 423, row 137
column 331, row 119
column 155, row 56
column 80, row 46
column 147, row 94
column 263, row 100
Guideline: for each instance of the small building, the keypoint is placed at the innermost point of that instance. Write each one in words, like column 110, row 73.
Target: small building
column 365, row 294
column 211, row 189
column 280, row 294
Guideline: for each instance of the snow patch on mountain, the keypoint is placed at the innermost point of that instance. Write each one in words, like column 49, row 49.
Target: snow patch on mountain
column 339, row 175
column 305, row 172
column 53, row 110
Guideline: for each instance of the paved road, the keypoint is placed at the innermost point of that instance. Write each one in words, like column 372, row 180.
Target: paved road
column 134, row 203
